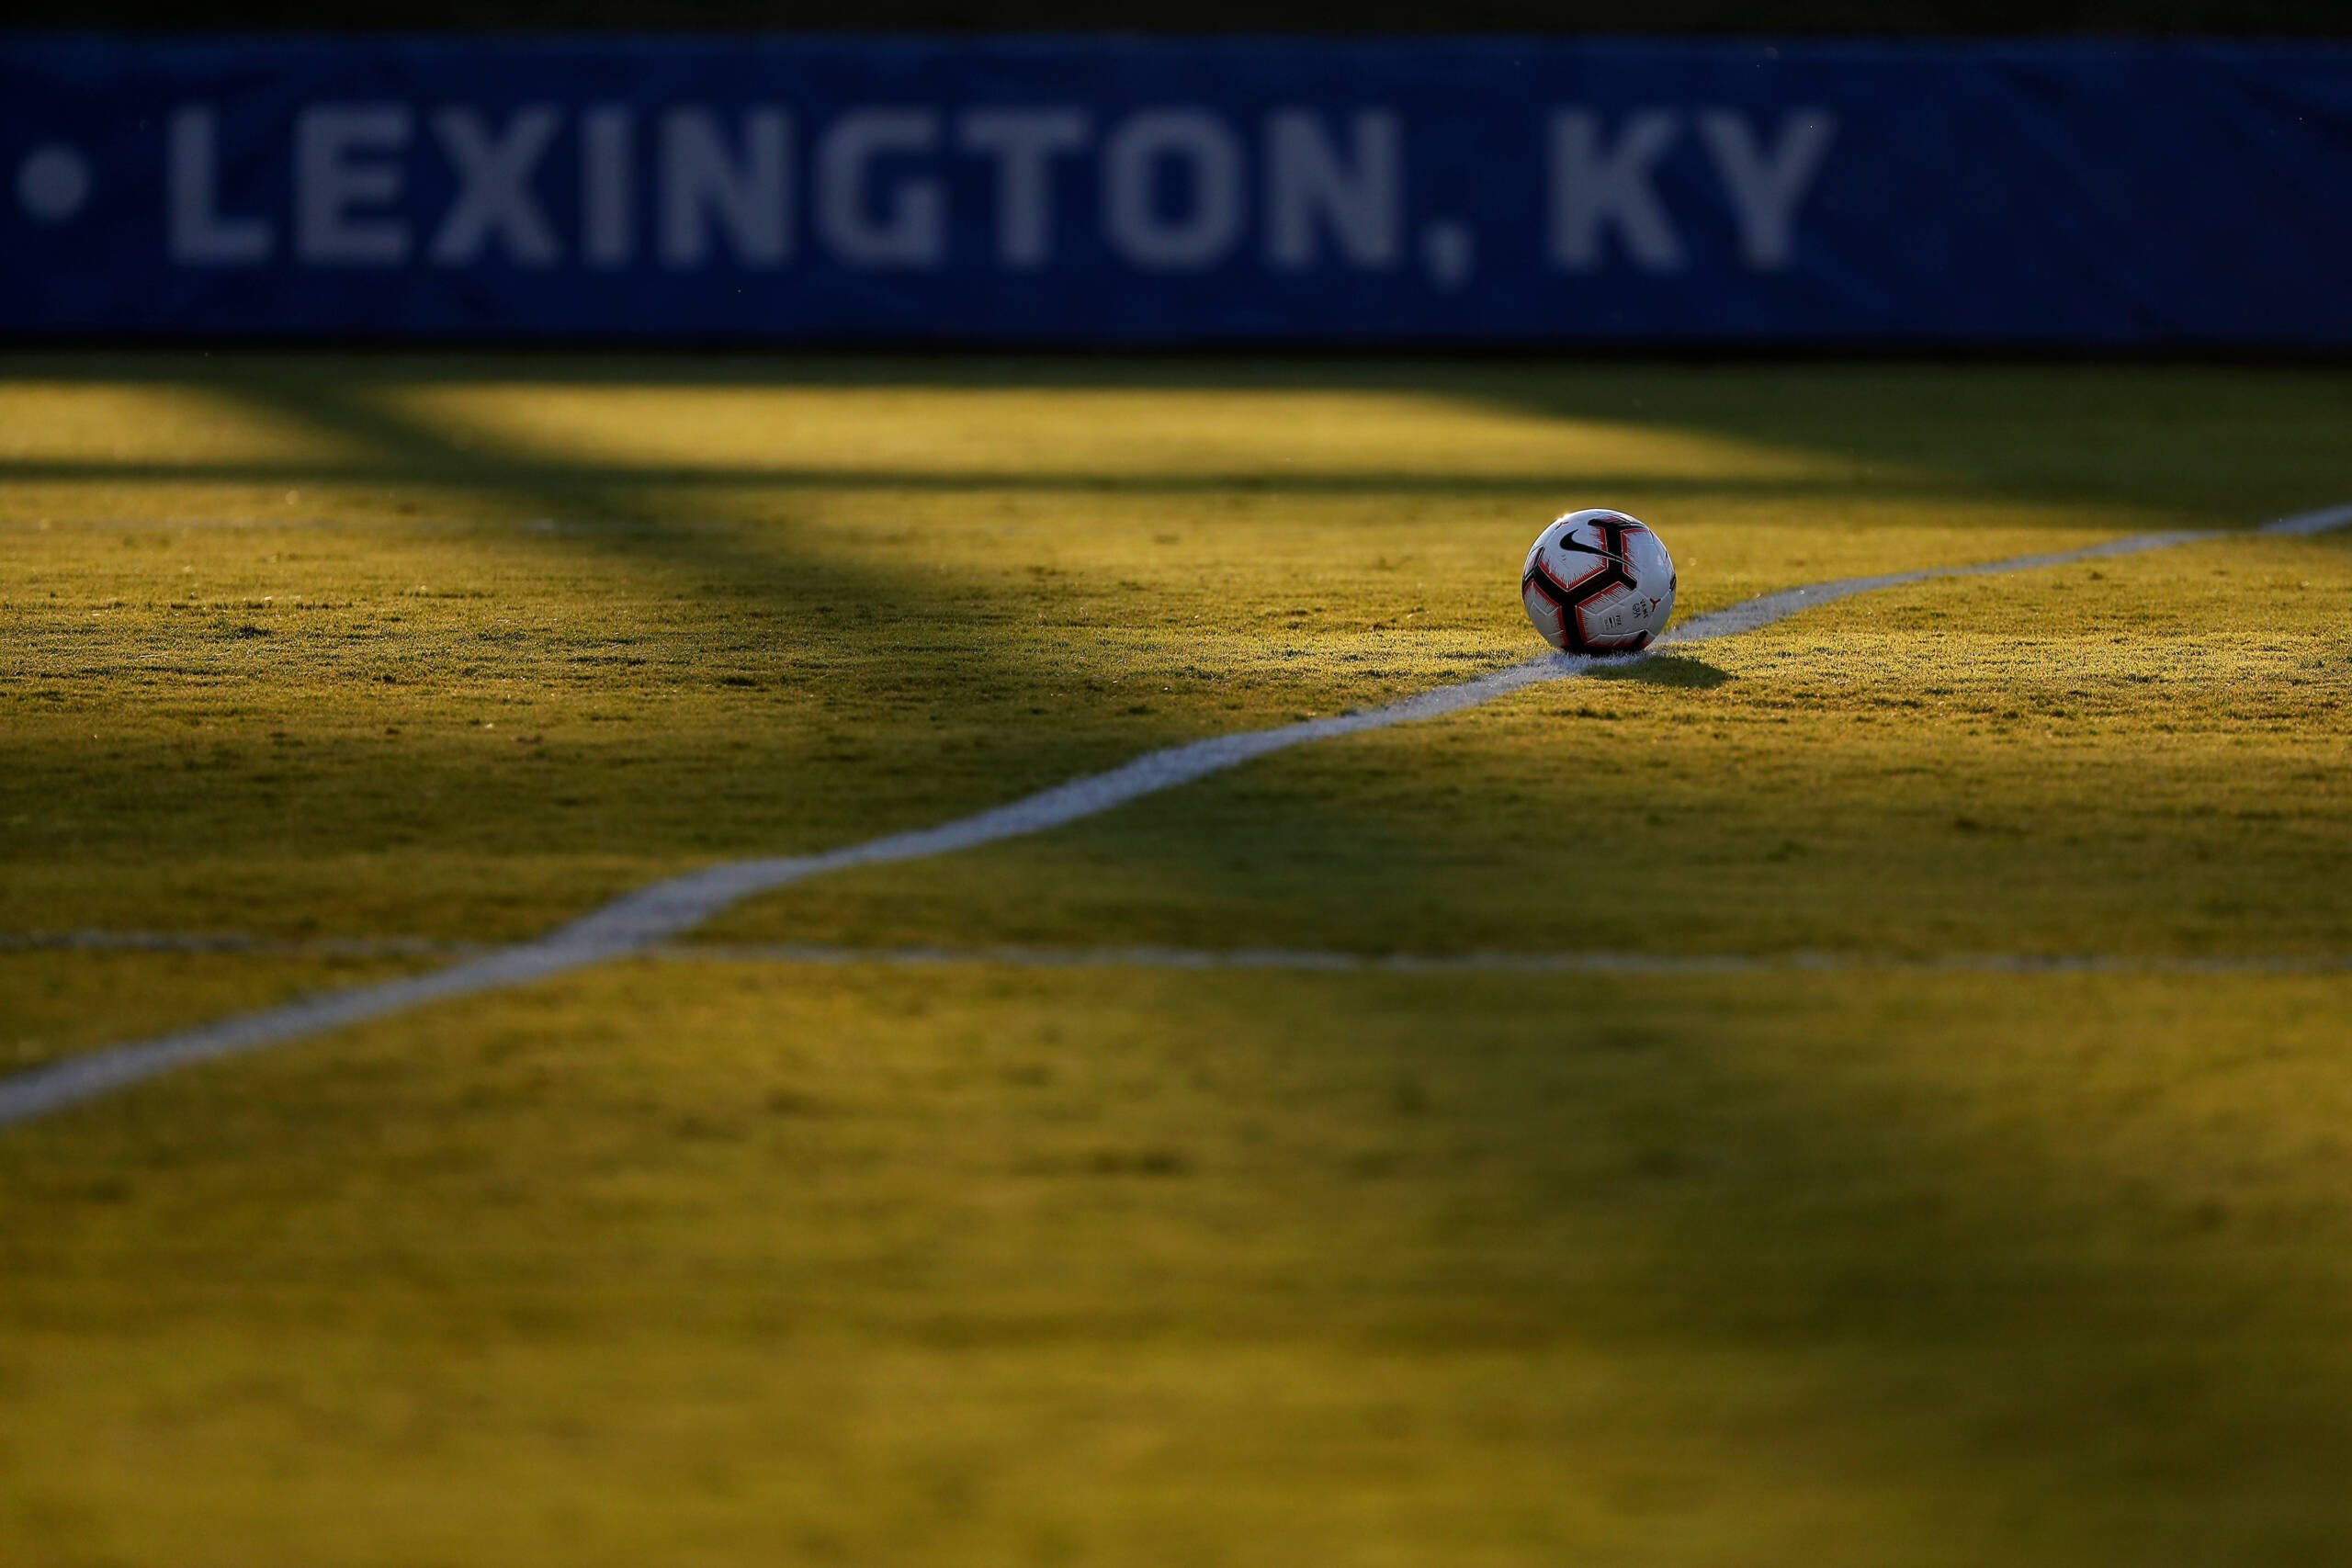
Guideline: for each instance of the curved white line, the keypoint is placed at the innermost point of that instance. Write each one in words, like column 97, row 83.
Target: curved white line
column 652, row 915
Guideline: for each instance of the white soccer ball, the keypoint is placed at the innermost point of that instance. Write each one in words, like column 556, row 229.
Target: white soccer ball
column 1598, row 583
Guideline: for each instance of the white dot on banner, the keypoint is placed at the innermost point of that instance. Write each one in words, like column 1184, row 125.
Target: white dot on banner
column 53, row 183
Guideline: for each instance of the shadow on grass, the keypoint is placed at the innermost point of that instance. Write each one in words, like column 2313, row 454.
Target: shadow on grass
column 2009, row 1338
column 863, row 631
column 1679, row 670
column 868, row 633
column 527, row 478
column 860, row 632
column 2216, row 446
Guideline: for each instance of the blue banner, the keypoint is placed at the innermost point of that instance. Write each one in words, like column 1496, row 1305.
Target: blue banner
column 1077, row 191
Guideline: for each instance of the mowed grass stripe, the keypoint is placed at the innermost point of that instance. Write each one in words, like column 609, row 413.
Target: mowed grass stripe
column 653, row 915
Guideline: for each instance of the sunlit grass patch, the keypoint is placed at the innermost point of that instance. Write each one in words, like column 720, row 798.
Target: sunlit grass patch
column 1242, row 432
column 2066, row 761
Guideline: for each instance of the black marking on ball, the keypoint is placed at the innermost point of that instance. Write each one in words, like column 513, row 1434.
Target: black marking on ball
column 1570, row 597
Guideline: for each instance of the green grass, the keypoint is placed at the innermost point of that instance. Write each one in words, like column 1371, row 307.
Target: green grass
column 718, row 1263
column 62, row 1002
column 2067, row 763
column 733, row 1263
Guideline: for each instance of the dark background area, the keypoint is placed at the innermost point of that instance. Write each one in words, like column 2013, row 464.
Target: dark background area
column 1785, row 17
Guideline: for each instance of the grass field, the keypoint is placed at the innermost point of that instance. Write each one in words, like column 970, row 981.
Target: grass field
column 695, row 1261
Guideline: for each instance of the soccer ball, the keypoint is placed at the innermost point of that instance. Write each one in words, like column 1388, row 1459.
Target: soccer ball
column 1598, row 583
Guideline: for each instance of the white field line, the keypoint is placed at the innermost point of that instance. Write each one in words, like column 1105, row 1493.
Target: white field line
column 652, row 915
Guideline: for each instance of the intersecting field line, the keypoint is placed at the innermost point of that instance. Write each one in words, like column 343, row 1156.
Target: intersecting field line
column 650, row 916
